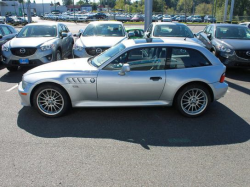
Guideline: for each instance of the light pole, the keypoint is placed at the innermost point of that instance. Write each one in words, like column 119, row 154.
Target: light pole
column 43, row 7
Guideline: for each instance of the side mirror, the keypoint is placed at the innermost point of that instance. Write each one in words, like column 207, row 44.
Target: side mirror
column 125, row 68
column 209, row 36
column 64, row 34
column 1, row 36
column 131, row 34
column 195, row 35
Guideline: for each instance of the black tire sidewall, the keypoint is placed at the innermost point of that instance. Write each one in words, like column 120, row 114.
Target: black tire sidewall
column 183, row 91
column 65, row 96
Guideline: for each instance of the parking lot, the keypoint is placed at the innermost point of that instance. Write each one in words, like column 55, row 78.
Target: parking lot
column 126, row 146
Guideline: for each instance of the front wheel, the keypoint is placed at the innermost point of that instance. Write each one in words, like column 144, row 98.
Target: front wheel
column 51, row 100
column 193, row 100
column 58, row 55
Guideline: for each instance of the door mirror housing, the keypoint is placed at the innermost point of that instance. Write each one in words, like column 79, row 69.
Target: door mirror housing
column 209, row 36
column 64, row 34
column 125, row 68
column 131, row 34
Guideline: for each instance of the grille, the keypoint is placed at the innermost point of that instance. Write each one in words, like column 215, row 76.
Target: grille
column 28, row 51
column 92, row 50
column 242, row 54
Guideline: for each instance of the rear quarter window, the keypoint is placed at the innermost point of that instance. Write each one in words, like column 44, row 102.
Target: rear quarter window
column 179, row 58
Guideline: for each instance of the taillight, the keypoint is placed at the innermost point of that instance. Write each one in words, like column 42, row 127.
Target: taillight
column 222, row 78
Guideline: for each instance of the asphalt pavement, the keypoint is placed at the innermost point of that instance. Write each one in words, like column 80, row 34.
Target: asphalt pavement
column 126, row 146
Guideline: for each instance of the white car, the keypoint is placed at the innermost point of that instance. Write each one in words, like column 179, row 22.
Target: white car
column 2, row 20
column 247, row 24
column 167, row 18
column 98, row 37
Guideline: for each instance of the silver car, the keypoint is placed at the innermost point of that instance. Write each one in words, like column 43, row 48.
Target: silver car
column 37, row 44
column 132, row 73
column 98, row 37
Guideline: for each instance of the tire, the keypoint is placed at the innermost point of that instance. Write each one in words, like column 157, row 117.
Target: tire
column 58, row 55
column 12, row 68
column 71, row 53
column 193, row 100
column 50, row 100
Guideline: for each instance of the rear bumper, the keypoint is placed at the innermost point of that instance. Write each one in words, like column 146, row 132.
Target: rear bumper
column 219, row 89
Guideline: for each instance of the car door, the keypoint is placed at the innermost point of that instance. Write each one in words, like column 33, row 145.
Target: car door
column 203, row 37
column 144, row 82
column 64, row 41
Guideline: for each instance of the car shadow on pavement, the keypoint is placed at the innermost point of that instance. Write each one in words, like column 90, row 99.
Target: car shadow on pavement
column 238, row 74
column 156, row 126
column 14, row 77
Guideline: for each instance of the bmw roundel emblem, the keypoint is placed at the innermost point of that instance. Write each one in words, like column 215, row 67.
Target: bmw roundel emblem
column 92, row 80
column 98, row 50
column 22, row 50
column 248, row 53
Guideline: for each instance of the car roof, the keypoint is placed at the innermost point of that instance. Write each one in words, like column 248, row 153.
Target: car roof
column 227, row 24
column 105, row 22
column 45, row 23
column 136, row 42
column 164, row 23
column 130, row 29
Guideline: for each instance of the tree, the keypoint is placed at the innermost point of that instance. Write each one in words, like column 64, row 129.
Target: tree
column 67, row 2
column 203, row 9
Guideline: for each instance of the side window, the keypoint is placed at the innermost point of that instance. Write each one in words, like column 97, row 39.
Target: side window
column 141, row 59
column 1, row 31
column 6, row 31
column 66, row 29
column 12, row 29
column 60, row 30
column 207, row 29
column 210, row 31
column 185, row 58
column 150, row 28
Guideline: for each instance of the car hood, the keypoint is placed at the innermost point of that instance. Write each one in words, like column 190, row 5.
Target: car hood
column 236, row 44
column 99, row 41
column 29, row 42
column 71, row 65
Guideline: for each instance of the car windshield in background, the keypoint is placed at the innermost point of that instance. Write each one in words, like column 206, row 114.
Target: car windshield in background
column 232, row 32
column 172, row 31
column 38, row 31
column 114, row 30
column 99, row 60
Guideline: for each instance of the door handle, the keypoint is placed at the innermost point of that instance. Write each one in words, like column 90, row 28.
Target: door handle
column 155, row 78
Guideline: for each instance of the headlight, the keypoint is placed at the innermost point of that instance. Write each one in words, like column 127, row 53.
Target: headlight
column 5, row 48
column 47, row 47
column 24, row 84
column 77, row 47
column 224, row 49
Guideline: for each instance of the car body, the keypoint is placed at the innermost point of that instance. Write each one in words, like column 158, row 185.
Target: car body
column 132, row 73
column 36, row 44
column 138, row 33
column 137, row 18
column 98, row 15
column 209, row 18
column 177, row 31
column 2, row 20
column 247, row 24
column 154, row 18
column 229, row 42
column 7, row 32
column 167, row 18
column 189, row 18
column 9, row 20
column 97, row 37
column 196, row 18
column 181, row 18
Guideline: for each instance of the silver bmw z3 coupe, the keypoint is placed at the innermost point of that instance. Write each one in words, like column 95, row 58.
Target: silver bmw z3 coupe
column 142, row 72
column 37, row 44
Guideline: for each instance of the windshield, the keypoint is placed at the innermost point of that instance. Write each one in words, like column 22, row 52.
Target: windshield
column 114, row 30
column 38, row 31
column 99, row 60
column 232, row 32
column 172, row 31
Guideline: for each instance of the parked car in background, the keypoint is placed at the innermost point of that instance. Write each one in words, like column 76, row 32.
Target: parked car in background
column 132, row 73
column 9, row 19
column 209, row 19
column 137, row 18
column 98, row 37
column 181, row 18
column 137, row 33
column 7, row 32
column 189, row 18
column 98, row 15
column 167, row 18
column 229, row 42
column 37, row 44
column 247, row 24
column 177, row 31
column 196, row 18
column 154, row 19
column 2, row 20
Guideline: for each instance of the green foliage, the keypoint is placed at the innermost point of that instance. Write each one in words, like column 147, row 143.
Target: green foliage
column 203, row 9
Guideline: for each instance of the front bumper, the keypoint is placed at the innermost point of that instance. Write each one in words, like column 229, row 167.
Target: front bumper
column 219, row 89
column 24, row 94
column 38, row 58
column 234, row 61
column 81, row 54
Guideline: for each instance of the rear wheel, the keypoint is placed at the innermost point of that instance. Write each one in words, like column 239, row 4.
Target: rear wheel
column 13, row 68
column 193, row 100
column 51, row 100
